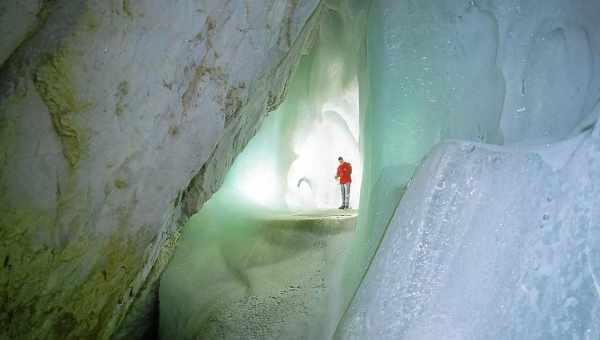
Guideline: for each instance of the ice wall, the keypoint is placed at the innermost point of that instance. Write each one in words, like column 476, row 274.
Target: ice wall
column 489, row 71
column 514, row 73
column 489, row 243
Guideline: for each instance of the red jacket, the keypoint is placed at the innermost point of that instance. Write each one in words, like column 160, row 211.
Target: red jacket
column 343, row 173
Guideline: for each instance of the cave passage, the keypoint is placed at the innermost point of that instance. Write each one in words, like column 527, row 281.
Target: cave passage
column 264, row 257
column 476, row 212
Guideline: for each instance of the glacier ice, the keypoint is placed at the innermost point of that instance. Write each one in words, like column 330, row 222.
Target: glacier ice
column 516, row 260
column 489, row 243
column 500, row 72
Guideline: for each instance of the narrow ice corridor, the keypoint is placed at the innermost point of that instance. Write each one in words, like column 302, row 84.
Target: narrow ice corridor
column 264, row 258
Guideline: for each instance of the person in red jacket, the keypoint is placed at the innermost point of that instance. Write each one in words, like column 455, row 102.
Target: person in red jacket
column 344, row 172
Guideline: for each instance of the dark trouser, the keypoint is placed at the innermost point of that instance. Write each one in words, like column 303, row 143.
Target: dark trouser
column 345, row 195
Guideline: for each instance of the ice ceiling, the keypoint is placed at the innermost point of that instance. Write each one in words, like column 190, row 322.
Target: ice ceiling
column 481, row 158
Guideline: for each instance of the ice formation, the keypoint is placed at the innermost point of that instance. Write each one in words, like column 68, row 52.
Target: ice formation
column 489, row 242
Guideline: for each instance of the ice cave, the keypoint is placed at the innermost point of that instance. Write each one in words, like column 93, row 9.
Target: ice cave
column 168, row 169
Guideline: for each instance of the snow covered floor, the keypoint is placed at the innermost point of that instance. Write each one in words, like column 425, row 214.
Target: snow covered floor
column 266, row 276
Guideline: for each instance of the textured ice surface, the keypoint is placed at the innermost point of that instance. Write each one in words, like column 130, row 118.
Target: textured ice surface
column 490, row 71
column 489, row 243
column 506, row 72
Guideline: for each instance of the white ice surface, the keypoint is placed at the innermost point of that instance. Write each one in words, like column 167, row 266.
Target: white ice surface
column 489, row 243
column 518, row 74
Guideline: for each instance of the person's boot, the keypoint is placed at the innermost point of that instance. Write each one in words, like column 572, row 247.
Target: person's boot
column 342, row 207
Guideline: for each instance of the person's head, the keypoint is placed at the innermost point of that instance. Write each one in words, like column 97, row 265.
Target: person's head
column 341, row 160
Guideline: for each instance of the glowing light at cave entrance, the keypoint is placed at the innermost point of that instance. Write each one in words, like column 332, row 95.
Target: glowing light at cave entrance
column 331, row 134
column 291, row 162
column 259, row 184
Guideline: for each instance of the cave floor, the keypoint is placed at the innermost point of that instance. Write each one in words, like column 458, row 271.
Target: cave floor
column 310, row 216
column 324, row 214
column 274, row 280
